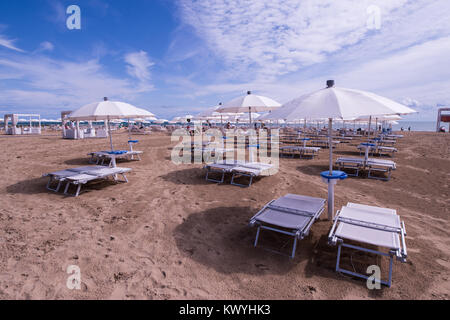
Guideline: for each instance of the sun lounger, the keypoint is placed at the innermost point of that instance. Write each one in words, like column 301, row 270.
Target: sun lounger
column 383, row 142
column 355, row 164
column 292, row 215
column 292, row 151
column 380, row 150
column 393, row 136
column 100, row 157
column 380, row 227
column 83, row 175
column 324, row 143
column 380, row 165
column 221, row 168
column 386, row 150
column 250, row 170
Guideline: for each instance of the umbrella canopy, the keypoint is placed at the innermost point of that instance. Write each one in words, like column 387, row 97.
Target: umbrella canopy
column 338, row 103
column 380, row 118
column 108, row 110
column 249, row 103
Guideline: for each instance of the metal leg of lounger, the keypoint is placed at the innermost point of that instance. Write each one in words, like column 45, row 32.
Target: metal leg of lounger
column 343, row 167
column 58, row 186
column 388, row 171
column 124, row 177
column 50, row 182
column 338, row 258
column 242, row 185
column 208, row 171
column 67, row 187
column 294, row 248
column 257, row 236
column 339, row 269
column 78, row 190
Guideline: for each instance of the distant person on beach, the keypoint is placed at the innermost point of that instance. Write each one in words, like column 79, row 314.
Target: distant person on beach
column 228, row 125
column 409, row 129
column 401, row 129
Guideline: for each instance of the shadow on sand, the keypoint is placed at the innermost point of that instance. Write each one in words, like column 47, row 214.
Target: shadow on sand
column 220, row 238
column 38, row 186
column 189, row 176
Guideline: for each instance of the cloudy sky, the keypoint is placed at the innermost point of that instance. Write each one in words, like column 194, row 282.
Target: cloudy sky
column 179, row 57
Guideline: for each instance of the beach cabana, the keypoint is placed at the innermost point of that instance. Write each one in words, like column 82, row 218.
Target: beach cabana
column 14, row 119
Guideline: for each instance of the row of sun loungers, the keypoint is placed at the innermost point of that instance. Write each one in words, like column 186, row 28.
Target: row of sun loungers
column 324, row 143
column 369, row 226
column 380, row 150
column 371, row 166
column 82, row 175
column 302, row 152
column 237, row 169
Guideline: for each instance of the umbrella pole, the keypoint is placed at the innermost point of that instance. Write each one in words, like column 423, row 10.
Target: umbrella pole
column 331, row 183
column 110, row 135
column 129, row 130
column 330, row 143
column 368, row 130
column 250, row 115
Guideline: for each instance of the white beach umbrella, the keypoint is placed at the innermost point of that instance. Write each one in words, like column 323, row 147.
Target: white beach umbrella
column 210, row 112
column 249, row 103
column 108, row 110
column 337, row 103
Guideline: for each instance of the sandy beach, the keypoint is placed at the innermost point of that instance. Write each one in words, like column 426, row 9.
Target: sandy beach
column 169, row 234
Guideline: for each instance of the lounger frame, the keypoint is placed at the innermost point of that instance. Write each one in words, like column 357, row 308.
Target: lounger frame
column 297, row 234
column 400, row 254
column 73, row 178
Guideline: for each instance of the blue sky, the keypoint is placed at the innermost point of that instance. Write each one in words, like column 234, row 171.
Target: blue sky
column 180, row 57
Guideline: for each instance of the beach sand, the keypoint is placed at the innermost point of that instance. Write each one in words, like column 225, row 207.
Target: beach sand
column 169, row 234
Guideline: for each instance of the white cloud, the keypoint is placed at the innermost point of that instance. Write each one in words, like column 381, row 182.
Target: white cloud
column 54, row 85
column 286, row 48
column 8, row 43
column 45, row 46
column 272, row 38
column 138, row 67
